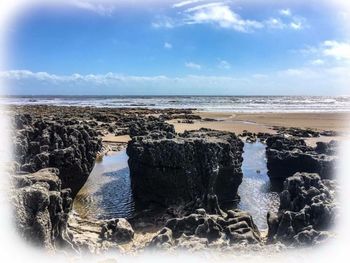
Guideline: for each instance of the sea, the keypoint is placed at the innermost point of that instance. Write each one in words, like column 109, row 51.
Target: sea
column 240, row 104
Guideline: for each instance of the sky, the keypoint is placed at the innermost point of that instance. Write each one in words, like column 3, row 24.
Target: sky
column 188, row 47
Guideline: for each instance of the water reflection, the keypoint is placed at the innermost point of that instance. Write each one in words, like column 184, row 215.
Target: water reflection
column 255, row 190
column 107, row 193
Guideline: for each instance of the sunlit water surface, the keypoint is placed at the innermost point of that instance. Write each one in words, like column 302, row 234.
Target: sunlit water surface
column 107, row 192
column 255, row 193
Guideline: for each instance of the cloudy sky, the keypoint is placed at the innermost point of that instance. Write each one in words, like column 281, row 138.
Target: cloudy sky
column 180, row 47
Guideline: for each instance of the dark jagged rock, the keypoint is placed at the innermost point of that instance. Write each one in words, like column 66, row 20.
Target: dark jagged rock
column 179, row 116
column 163, row 239
column 297, row 132
column 330, row 148
column 169, row 168
column 329, row 133
column 210, row 120
column 103, row 120
column 307, row 210
column 117, row 230
column 151, row 125
column 250, row 137
column 70, row 147
column 236, row 227
column 279, row 142
column 263, row 136
column 41, row 208
column 185, row 121
column 286, row 156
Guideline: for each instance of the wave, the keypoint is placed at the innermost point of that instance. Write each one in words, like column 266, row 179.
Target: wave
column 204, row 103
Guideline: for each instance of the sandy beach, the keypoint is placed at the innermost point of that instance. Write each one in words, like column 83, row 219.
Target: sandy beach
column 261, row 122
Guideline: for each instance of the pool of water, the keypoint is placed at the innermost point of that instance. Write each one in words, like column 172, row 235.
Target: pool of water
column 107, row 193
column 256, row 195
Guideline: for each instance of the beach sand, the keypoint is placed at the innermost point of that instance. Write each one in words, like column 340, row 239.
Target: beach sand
column 262, row 122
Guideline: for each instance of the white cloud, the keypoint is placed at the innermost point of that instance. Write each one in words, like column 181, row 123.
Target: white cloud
column 317, row 62
column 294, row 81
column 164, row 22
column 285, row 12
column 330, row 50
column 275, row 23
column 337, row 50
column 296, row 25
column 286, row 21
column 223, row 64
column 221, row 15
column 184, row 3
column 102, row 9
column 193, row 65
column 168, row 45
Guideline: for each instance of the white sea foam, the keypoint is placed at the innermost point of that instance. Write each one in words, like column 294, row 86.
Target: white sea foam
column 204, row 103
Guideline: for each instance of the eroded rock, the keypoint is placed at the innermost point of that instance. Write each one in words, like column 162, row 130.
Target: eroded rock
column 66, row 145
column 41, row 208
column 307, row 211
column 200, row 230
column 286, row 156
column 172, row 168
column 117, row 230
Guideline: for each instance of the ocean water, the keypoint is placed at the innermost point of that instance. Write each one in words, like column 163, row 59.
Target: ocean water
column 203, row 103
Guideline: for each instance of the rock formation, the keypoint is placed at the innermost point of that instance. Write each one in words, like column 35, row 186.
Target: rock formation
column 41, row 208
column 286, row 156
column 152, row 124
column 117, row 230
column 202, row 228
column 297, row 132
column 63, row 144
column 169, row 168
column 307, row 210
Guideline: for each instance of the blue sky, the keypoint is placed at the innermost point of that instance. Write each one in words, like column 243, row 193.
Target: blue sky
column 179, row 47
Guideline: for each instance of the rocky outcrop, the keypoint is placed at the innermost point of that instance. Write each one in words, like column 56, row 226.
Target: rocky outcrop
column 297, row 132
column 330, row 148
column 104, row 120
column 286, row 156
column 63, row 144
column 41, row 208
column 152, row 124
column 117, row 230
column 201, row 229
column 307, row 210
column 186, row 116
column 171, row 168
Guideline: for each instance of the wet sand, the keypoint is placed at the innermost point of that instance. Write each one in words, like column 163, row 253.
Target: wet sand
column 265, row 121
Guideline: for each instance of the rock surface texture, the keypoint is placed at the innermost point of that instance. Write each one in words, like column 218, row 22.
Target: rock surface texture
column 41, row 208
column 201, row 229
column 171, row 168
column 307, row 210
column 117, row 230
column 64, row 144
column 286, row 156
